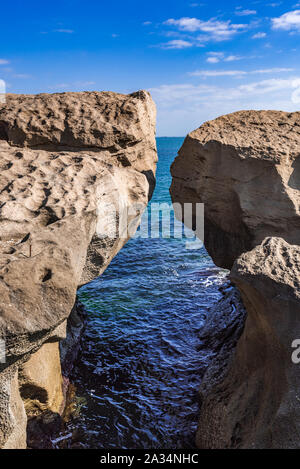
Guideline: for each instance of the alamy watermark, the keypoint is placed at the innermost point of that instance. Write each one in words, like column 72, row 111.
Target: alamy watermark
column 296, row 354
column 156, row 220
column 119, row 216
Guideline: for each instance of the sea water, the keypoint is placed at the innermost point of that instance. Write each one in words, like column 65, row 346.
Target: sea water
column 137, row 378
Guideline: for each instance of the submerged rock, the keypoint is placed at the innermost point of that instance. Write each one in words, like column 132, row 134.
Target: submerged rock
column 77, row 171
column 244, row 167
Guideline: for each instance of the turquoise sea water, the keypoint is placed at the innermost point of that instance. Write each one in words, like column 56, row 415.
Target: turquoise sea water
column 138, row 375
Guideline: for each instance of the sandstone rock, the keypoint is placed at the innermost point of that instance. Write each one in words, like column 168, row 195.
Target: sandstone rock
column 255, row 401
column 245, row 168
column 13, row 415
column 40, row 381
column 121, row 126
column 72, row 166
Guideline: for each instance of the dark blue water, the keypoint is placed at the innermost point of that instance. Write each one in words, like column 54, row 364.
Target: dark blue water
column 140, row 370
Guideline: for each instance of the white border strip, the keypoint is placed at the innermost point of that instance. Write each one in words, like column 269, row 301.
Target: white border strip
column 2, row 92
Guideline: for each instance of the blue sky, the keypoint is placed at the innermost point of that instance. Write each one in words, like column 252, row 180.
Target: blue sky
column 198, row 59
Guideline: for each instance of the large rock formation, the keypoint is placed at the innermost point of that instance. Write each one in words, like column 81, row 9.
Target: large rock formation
column 77, row 170
column 254, row 402
column 245, row 168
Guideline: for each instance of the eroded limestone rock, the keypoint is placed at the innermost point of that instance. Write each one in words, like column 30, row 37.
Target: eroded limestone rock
column 255, row 403
column 40, row 381
column 245, row 168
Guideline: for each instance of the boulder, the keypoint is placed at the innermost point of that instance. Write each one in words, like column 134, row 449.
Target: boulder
column 40, row 381
column 255, row 402
column 245, row 168
column 76, row 172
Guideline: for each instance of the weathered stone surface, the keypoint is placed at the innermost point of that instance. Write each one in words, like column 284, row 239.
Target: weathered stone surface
column 121, row 126
column 70, row 345
column 245, row 168
column 13, row 415
column 72, row 166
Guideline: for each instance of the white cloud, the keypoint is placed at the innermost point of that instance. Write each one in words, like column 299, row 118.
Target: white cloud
column 69, row 86
column 237, row 73
column 232, row 58
column 212, row 60
column 181, row 94
column 4, row 62
column 66, row 31
column 216, row 57
column 212, row 29
column 273, row 70
column 23, row 76
column 176, row 44
column 84, row 83
column 147, row 23
column 267, row 86
column 2, row 91
column 170, row 93
column 245, row 12
column 287, row 22
column 60, row 86
column 183, row 107
column 218, row 73
column 185, row 24
column 259, row 35
column 216, row 54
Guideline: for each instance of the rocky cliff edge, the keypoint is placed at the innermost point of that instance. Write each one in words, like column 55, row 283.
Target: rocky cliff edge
column 245, row 168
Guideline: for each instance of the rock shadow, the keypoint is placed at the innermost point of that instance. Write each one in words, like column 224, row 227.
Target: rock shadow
column 294, row 181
